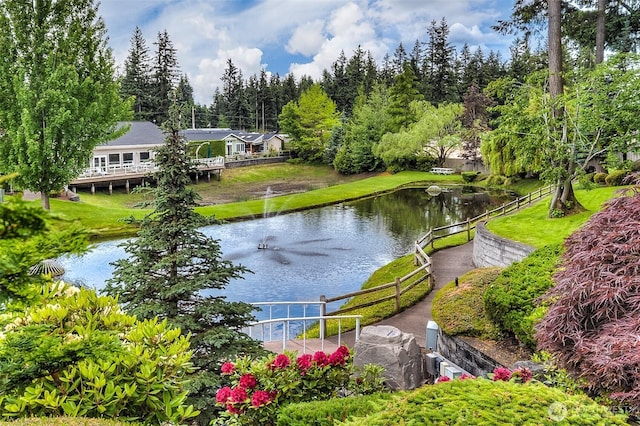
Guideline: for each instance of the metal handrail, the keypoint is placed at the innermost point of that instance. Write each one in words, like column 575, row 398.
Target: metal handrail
column 322, row 318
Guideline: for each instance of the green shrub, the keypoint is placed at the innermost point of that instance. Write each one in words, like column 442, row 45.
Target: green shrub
column 470, row 176
column 66, row 421
column 460, row 310
column 635, row 166
column 616, row 177
column 325, row 413
column 600, row 177
column 496, row 180
column 463, row 402
column 510, row 300
column 80, row 355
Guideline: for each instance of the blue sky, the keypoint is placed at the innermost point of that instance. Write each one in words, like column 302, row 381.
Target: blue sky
column 298, row 36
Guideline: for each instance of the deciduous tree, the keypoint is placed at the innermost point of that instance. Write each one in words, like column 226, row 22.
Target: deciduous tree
column 309, row 123
column 58, row 95
column 592, row 323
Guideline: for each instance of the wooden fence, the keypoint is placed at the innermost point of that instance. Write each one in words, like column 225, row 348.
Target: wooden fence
column 423, row 261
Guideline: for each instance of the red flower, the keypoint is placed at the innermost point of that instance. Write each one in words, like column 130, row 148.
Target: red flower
column 336, row 358
column 523, row 373
column 344, row 351
column 223, row 394
column 247, row 381
column 233, row 409
column 466, row 376
column 227, row 368
column 321, row 359
column 281, row 361
column 304, row 363
column 260, row 398
column 238, row 395
column 443, row 379
column 501, row 373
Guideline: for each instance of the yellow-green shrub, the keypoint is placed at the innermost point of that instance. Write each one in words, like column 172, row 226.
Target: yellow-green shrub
column 80, row 355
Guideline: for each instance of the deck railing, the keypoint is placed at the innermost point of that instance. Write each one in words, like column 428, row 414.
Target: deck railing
column 279, row 327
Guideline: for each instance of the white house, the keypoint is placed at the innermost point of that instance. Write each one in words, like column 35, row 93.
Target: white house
column 131, row 150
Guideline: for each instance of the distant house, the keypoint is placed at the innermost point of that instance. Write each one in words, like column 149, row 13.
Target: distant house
column 132, row 149
column 135, row 149
column 238, row 142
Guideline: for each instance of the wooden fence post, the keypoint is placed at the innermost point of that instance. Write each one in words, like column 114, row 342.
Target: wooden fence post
column 323, row 313
column 397, row 294
column 468, row 230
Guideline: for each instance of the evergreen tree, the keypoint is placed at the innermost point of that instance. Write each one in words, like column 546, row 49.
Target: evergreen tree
column 165, row 76
column 362, row 132
column 387, row 73
column 184, row 98
column 58, row 95
column 439, row 67
column 235, row 106
column 402, row 93
column 173, row 269
column 136, row 81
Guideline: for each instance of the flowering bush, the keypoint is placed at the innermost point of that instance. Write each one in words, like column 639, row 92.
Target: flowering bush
column 519, row 375
column 258, row 388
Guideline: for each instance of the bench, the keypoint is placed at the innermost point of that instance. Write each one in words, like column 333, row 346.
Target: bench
column 442, row 170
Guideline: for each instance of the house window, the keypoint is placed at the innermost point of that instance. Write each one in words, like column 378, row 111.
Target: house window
column 127, row 158
column 239, row 147
column 144, row 156
column 114, row 159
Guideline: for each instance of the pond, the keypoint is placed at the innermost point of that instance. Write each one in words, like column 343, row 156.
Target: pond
column 325, row 251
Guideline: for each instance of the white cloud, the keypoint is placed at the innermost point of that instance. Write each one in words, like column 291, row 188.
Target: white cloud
column 307, row 38
column 206, row 33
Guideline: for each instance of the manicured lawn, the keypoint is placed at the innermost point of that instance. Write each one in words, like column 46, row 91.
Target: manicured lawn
column 102, row 214
column 532, row 226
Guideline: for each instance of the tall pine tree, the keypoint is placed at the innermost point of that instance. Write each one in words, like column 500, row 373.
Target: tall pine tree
column 175, row 272
column 136, row 81
column 166, row 73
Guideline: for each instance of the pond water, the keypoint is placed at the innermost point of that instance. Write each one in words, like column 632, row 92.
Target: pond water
column 325, row 251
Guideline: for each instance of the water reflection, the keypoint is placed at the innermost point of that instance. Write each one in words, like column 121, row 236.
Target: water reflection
column 330, row 250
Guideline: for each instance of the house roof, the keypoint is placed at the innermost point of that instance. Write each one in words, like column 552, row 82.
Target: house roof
column 140, row 133
column 194, row 135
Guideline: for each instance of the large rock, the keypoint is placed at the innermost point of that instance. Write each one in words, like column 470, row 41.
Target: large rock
column 394, row 350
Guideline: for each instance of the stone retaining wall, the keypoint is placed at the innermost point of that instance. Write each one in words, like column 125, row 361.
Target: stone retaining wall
column 464, row 355
column 492, row 250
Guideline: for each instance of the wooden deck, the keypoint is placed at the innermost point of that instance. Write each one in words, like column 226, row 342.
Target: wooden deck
column 122, row 176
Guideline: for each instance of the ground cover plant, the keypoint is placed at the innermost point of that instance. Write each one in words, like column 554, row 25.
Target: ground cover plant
column 592, row 324
column 462, row 402
column 511, row 301
column 459, row 309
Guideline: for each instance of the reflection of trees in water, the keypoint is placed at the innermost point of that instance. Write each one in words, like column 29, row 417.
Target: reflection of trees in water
column 410, row 209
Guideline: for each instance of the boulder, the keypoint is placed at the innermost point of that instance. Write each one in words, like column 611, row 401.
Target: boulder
column 398, row 352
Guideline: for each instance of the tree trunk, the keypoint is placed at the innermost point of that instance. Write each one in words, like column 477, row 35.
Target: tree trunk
column 555, row 51
column 564, row 199
column 600, row 31
column 44, row 196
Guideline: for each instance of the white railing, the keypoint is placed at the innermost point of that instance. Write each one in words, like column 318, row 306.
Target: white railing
column 209, row 162
column 280, row 328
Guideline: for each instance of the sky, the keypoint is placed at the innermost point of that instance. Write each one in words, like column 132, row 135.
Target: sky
column 303, row 37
